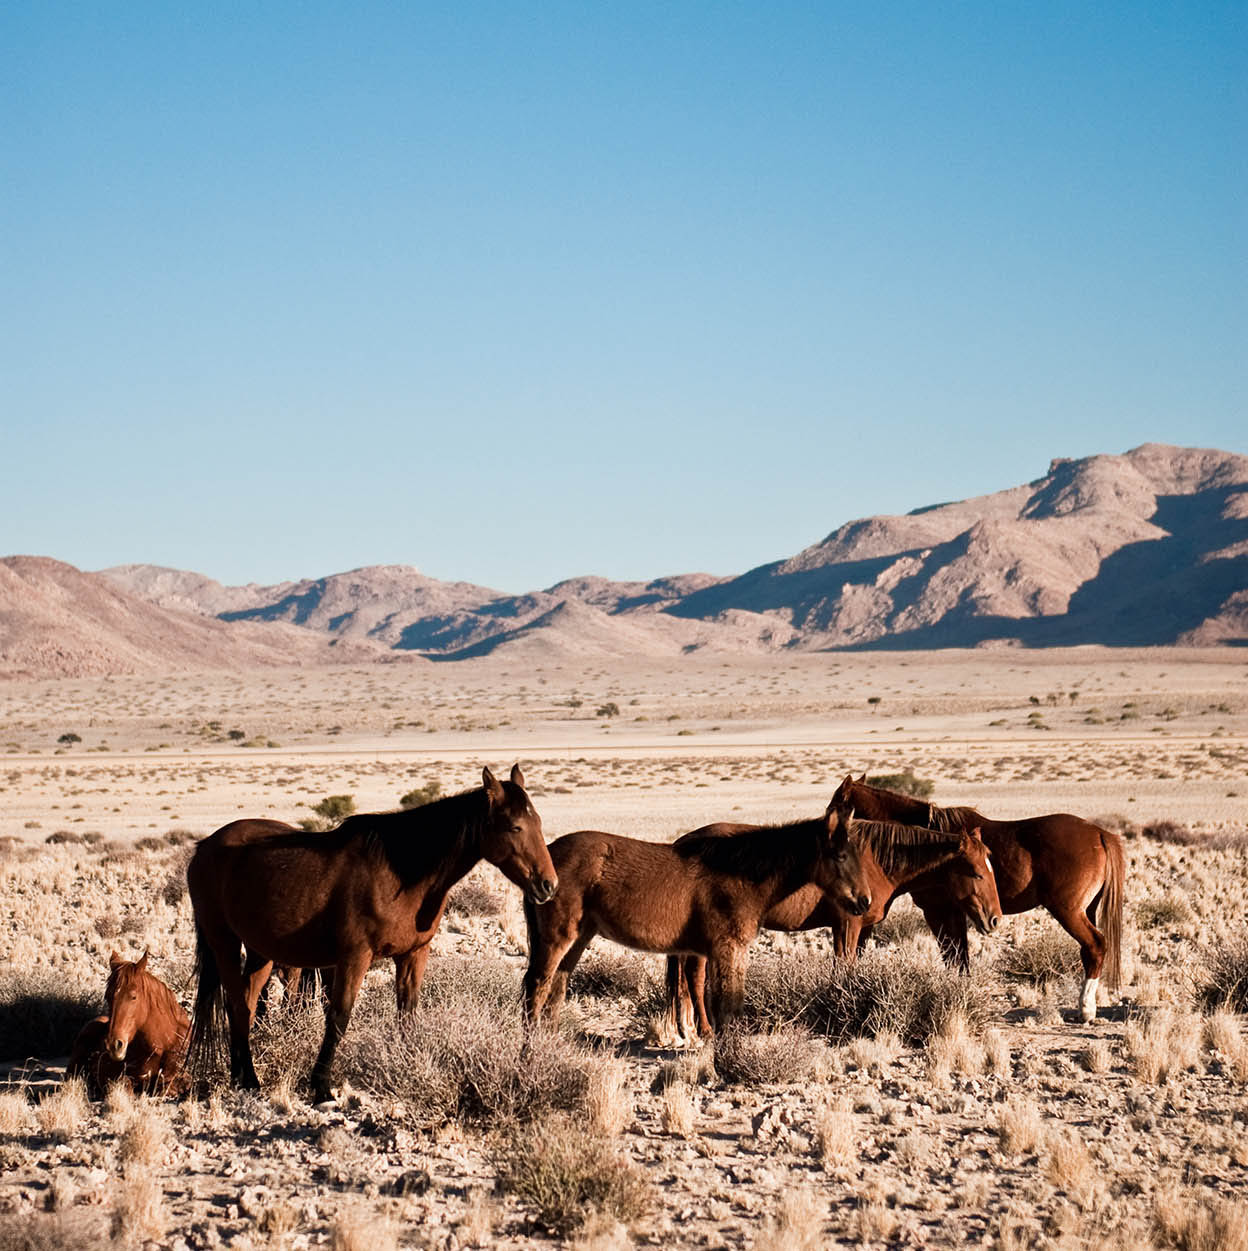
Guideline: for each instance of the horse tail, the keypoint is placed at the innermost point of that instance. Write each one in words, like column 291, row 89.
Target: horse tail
column 1109, row 920
column 208, row 1019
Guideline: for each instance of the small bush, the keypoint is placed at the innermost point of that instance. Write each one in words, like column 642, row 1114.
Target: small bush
column 473, row 898
column 1168, row 911
column 1225, row 982
column 909, row 993
column 62, row 837
column 1043, row 960
column 70, row 737
column 421, row 795
column 783, row 1054
column 567, row 1176
column 69, row 1230
column 617, row 975
column 1170, row 832
column 906, row 783
column 335, row 808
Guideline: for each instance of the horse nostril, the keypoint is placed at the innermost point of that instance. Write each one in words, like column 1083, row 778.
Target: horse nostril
column 994, row 922
column 551, row 884
column 864, row 902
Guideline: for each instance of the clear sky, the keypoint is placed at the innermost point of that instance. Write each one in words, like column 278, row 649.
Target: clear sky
column 513, row 292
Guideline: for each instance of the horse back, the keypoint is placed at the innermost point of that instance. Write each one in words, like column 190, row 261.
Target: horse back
column 1038, row 858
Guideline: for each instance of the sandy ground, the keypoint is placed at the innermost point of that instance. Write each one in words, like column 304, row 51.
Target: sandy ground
column 652, row 750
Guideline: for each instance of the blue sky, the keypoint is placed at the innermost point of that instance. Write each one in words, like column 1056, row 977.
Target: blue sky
column 513, row 293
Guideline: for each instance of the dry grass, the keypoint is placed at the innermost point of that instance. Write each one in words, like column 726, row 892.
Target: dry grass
column 836, row 1134
column 783, row 1054
column 1043, row 960
column 796, row 1224
column 1225, row 980
column 1069, row 1166
column 1187, row 1219
column 677, row 1110
column 1161, row 1043
column 607, row 1101
column 1020, row 1125
column 16, row 1115
column 62, row 1113
column 139, row 1211
column 566, row 1176
column 72, row 1230
column 1096, row 1057
column 41, row 1013
column 954, row 1049
column 145, row 1137
column 358, row 1229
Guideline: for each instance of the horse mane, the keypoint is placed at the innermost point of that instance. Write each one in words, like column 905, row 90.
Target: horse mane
column 902, row 850
column 956, row 820
column 755, row 855
column 416, row 841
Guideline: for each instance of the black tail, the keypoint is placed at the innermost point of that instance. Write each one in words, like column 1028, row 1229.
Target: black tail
column 209, row 1027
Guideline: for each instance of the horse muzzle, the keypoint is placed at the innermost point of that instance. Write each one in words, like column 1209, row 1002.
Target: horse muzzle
column 542, row 890
column 117, row 1049
column 859, row 904
column 985, row 923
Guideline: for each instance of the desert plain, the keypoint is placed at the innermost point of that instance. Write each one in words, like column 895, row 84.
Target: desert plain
column 993, row 1118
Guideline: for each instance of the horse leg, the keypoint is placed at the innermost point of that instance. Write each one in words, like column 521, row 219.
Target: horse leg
column 409, row 972
column 348, row 975
column 696, row 975
column 553, row 930
column 559, row 983
column 845, row 939
column 256, row 973
column 673, row 1014
column 1091, row 942
column 726, row 974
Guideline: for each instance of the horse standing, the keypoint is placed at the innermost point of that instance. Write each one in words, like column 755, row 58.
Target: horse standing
column 141, row 1040
column 1060, row 862
column 898, row 859
column 704, row 898
column 375, row 886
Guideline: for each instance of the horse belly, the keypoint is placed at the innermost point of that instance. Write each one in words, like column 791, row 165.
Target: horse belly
column 646, row 922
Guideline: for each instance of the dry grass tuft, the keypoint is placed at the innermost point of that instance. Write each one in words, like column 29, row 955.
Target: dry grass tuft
column 954, row 1049
column 998, row 1059
column 17, row 1117
column 784, row 1054
column 1188, row 1220
column 40, row 1014
column 1043, row 960
column 1020, row 1125
column 566, row 1176
column 836, row 1134
column 70, row 1230
column 1164, row 913
column 1162, row 1043
column 677, row 1111
column 139, row 1212
column 1070, row 1167
column 796, row 1224
column 607, row 1102
column 1096, row 1057
column 146, row 1135
column 62, row 1113
column 361, row 1230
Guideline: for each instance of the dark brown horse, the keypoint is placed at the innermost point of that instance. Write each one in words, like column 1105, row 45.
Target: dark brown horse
column 898, row 859
column 375, row 886
column 141, row 1041
column 1060, row 862
column 705, row 898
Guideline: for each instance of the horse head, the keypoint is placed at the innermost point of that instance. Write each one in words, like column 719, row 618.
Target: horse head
column 513, row 839
column 842, row 873
column 973, row 885
column 127, row 999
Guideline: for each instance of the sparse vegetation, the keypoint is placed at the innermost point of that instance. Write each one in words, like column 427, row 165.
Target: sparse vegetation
column 906, row 782
column 418, row 796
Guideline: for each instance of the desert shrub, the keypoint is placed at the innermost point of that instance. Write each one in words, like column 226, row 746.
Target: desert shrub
column 906, row 782
column 474, row 898
column 617, row 975
column 421, row 795
column 70, row 737
column 1169, row 910
column 567, row 1176
column 62, row 837
column 149, row 843
column 1170, row 832
column 782, row 1054
column 609, row 709
column 1190, row 1220
column 1043, row 960
column 330, row 811
column 907, row 992
column 175, row 838
column 900, row 925
column 1224, row 981
column 41, row 1014
column 462, row 1053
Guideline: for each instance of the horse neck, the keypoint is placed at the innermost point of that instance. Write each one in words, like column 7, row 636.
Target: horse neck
column 432, row 847
column 795, row 851
column 902, row 857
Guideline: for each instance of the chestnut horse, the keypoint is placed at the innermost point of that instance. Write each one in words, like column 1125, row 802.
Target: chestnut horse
column 898, row 858
column 142, row 1040
column 1060, row 862
column 375, row 886
column 705, row 897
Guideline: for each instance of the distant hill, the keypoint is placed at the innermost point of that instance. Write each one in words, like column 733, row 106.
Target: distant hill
column 1150, row 547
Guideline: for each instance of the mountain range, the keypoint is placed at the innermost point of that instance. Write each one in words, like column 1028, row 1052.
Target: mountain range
column 1150, row 547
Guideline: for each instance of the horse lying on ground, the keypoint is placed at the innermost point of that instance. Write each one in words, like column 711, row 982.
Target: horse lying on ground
column 375, row 886
column 705, row 897
column 142, row 1040
column 897, row 858
column 1060, row 862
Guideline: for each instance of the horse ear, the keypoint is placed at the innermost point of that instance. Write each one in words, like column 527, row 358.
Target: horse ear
column 115, row 959
column 517, row 777
column 493, row 787
column 142, row 965
column 863, row 779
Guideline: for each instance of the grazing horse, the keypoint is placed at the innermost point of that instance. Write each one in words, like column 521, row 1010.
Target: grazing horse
column 375, row 886
column 705, row 897
column 899, row 859
column 141, row 1041
column 1060, row 862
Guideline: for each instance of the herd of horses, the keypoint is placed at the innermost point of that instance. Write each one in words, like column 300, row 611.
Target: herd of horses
column 267, row 894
